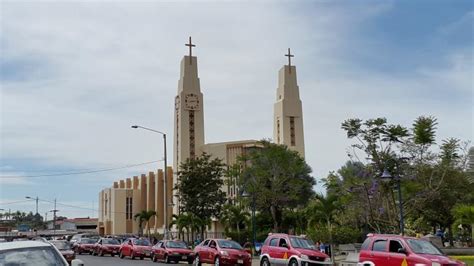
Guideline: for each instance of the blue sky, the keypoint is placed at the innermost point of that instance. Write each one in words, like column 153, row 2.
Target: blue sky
column 74, row 77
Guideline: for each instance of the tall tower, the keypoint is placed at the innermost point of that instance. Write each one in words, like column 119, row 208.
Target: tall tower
column 288, row 114
column 188, row 116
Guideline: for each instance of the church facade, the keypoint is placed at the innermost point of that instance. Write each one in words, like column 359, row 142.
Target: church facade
column 127, row 197
column 189, row 129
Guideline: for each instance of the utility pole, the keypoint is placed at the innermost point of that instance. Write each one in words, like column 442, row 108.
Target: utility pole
column 54, row 217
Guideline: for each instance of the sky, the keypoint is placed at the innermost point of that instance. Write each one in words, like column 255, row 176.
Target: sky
column 75, row 76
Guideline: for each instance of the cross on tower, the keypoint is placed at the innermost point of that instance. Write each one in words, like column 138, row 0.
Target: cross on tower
column 289, row 55
column 191, row 45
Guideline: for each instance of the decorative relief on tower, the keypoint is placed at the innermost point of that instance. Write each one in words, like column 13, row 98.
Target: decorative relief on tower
column 278, row 131
column 292, row 131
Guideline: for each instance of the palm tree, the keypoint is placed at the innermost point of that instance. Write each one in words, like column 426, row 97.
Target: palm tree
column 322, row 209
column 233, row 216
column 182, row 221
column 144, row 216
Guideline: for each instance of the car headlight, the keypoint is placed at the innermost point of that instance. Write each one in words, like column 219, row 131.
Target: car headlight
column 224, row 253
column 303, row 256
column 327, row 259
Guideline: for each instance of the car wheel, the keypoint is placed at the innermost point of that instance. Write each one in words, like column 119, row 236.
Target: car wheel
column 113, row 255
column 132, row 255
column 217, row 261
column 121, row 255
column 153, row 257
column 190, row 261
column 166, row 259
column 101, row 253
column 293, row 262
column 197, row 261
column 142, row 257
column 264, row 262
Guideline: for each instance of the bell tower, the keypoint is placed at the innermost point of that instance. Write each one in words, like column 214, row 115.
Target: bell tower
column 188, row 116
column 288, row 111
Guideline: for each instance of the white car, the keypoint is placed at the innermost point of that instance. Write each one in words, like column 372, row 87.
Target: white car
column 33, row 253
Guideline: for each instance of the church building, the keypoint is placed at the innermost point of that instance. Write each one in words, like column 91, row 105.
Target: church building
column 189, row 130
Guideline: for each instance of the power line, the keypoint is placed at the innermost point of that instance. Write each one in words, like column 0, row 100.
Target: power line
column 84, row 172
column 15, row 202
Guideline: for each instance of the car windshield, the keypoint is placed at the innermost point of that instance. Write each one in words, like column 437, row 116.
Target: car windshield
column 423, row 247
column 142, row 242
column 176, row 244
column 229, row 244
column 61, row 245
column 298, row 242
column 43, row 256
column 111, row 241
column 88, row 241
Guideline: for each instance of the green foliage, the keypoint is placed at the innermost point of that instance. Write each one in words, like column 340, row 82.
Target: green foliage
column 345, row 234
column 199, row 188
column 424, row 130
column 432, row 182
column 144, row 217
column 280, row 177
column 234, row 218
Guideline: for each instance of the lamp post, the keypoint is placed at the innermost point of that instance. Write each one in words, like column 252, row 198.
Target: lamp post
column 165, row 182
column 36, row 199
column 254, row 232
column 387, row 176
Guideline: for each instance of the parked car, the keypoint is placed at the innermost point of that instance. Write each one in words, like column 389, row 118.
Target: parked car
column 395, row 250
column 135, row 247
column 85, row 245
column 77, row 237
column 221, row 252
column 171, row 250
column 32, row 253
column 65, row 248
column 106, row 246
column 291, row 250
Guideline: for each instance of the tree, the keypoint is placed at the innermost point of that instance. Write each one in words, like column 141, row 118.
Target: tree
column 234, row 217
column 144, row 217
column 280, row 177
column 322, row 209
column 199, row 188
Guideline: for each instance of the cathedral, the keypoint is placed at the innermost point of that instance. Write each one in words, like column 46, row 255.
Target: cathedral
column 119, row 203
column 189, row 140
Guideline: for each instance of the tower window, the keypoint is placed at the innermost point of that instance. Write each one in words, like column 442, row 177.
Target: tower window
column 192, row 145
column 292, row 131
column 278, row 131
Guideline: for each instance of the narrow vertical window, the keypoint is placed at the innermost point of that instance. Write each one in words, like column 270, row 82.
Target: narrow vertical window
column 292, row 131
column 278, row 131
column 192, row 151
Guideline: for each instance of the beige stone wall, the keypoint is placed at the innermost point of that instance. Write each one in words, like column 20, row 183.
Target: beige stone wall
column 147, row 194
column 288, row 112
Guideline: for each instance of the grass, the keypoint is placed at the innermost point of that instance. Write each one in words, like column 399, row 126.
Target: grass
column 469, row 260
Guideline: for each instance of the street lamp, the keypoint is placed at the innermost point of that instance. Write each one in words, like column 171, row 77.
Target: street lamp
column 36, row 199
column 387, row 176
column 165, row 178
column 245, row 194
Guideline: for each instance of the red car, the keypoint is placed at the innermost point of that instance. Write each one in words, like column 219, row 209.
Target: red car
column 171, row 250
column 291, row 250
column 106, row 246
column 395, row 250
column 135, row 247
column 221, row 251
column 65, row 248
column 85, row 245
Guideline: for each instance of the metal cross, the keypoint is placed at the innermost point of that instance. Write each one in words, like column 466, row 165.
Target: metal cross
column 289, row 55
column 191, row 45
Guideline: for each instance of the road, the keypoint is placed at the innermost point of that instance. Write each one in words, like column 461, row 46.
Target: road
column 109, row 261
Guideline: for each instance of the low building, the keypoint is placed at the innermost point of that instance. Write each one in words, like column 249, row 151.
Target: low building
column 119, row 204
column 86, row 224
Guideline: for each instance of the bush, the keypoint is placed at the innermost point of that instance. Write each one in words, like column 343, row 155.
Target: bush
column 345, row 235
